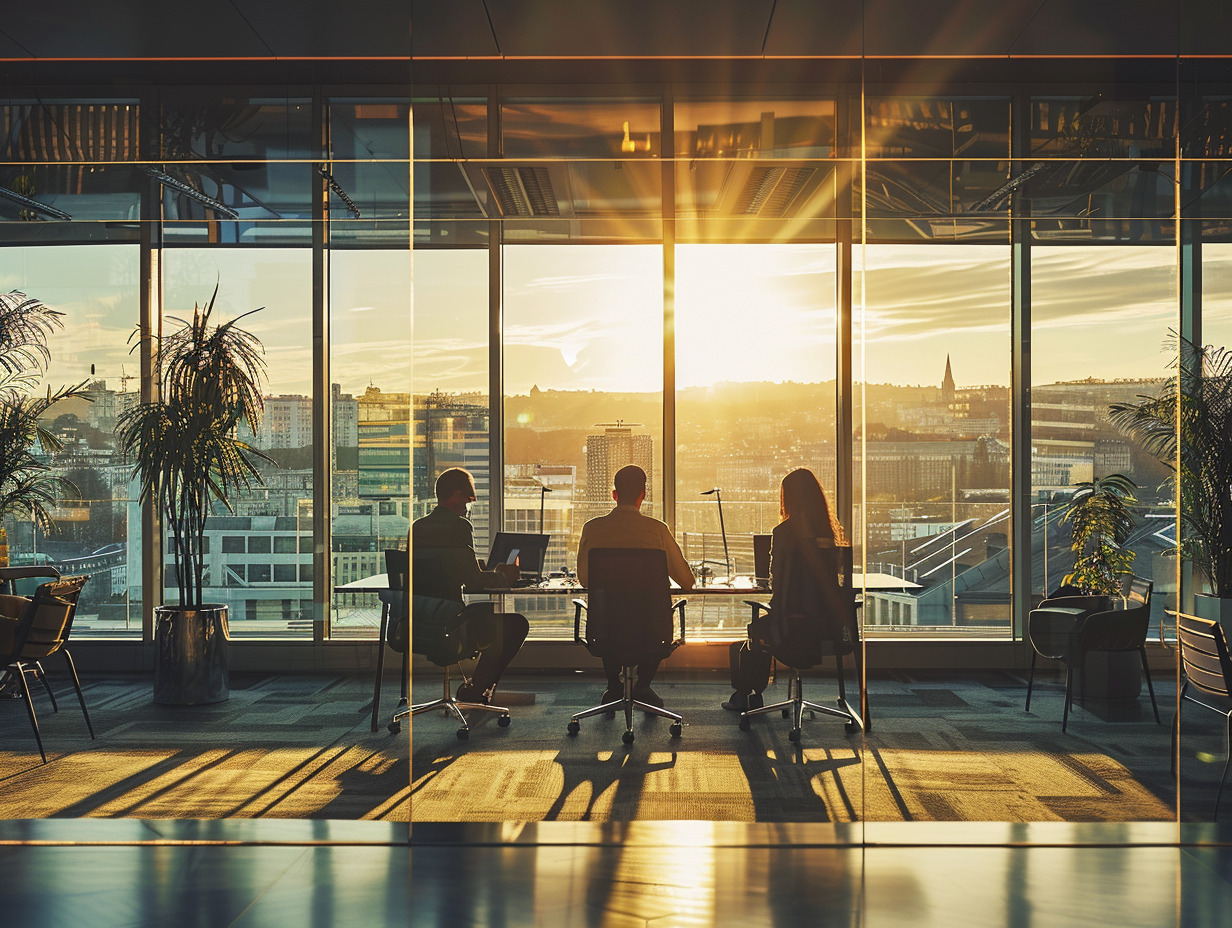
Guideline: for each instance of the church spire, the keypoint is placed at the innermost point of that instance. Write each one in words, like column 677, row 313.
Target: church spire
column 947, row 383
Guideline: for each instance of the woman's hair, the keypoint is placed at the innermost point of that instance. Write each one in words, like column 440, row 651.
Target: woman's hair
column 802, row 497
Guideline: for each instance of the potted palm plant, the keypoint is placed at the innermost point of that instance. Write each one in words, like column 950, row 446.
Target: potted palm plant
column 1100, row 521
column 1188, row 427
column 189, row 457
column 28, row 486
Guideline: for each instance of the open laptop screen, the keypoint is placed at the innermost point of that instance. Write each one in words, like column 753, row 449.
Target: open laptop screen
column 761, row 560
column 528, row 548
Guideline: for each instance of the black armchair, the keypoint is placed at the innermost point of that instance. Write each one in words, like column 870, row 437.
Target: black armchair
column 1069, row 628
column 41, row 631
column 628, row 619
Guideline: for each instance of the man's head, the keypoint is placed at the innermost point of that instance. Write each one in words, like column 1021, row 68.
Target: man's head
column 630, row 483
column 455, row 489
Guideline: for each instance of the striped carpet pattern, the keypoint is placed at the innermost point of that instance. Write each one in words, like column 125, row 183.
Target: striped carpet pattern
column 943, row 748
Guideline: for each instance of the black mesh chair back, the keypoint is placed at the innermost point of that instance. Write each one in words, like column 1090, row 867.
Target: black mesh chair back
column 812, row 617
column 628, row 620
column 1207, row 667
column 819, row 620
column 629, row 603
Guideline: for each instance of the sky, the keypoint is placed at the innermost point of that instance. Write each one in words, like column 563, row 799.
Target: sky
column 590, row 317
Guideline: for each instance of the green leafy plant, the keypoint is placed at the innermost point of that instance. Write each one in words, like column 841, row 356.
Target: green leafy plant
column 185, row 444
column 1101, row 520
column 1188, row 427
column 28, row 487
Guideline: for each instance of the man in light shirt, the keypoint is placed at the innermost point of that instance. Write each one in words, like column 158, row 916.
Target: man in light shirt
column 626, row 527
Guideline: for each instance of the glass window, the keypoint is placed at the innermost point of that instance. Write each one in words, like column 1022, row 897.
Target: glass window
column 755, row 397
column 583, row 384
column 1079, row 294
column 370, row 344
column 934, row 348
column 285, row 544
column 277, row 282
column 99, row 532
column 259, row 544
column 233, row 544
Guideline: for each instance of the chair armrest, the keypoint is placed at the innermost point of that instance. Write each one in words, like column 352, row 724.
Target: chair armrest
column 764, row 607
column 1094, row 603
column 578, row 606
column 679, row 604
column 1052, row 632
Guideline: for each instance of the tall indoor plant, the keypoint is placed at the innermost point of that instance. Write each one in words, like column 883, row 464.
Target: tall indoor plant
column 28, row 485
column 189, row 457
column 1100, row 522
column 1188, row 426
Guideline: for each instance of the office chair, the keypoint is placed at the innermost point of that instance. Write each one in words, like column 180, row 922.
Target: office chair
column 394, row 631
column 1068, row 633
column 1207, row 667
column 41, row 631
column 438, row 631
column 826, row 627
column 628, row 618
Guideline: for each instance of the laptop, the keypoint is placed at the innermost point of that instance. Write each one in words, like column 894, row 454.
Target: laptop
column 528, row 548
column 761, row 561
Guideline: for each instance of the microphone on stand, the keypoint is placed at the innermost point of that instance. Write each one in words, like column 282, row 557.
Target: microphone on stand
column 543, row 488
column 718, row 495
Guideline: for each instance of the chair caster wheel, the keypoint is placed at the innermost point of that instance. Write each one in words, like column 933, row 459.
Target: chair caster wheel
column 574, row 728
column 755, row 701
column 609, row 716
column 744, row 725
column 786, row 713
column 851, row 728
column 677, row 729
column 794, row 736
column 463, row 734
column 504, row 721
column 394, row 727
column 627, row 737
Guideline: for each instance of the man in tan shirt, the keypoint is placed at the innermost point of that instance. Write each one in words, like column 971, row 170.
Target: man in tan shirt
column 626, row 527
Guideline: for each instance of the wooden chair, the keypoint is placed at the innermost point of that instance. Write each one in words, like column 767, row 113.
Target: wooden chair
column 1207, row 667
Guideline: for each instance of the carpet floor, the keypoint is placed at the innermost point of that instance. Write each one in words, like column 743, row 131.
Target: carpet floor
column 943, row 748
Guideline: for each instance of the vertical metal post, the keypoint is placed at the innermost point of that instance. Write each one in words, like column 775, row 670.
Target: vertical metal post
column 1187, row 207
column 496, row 359
column 844, row 221
column 150, row 322
column 322, row 545
column 1020, row 379
column 667, row 160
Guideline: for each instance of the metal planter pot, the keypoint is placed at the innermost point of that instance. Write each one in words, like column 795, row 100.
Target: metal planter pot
column 190, row 655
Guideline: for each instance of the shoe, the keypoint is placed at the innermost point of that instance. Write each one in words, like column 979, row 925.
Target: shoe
column 739, row 702
column 468, row 692
column 755, row 701
column 647, row 695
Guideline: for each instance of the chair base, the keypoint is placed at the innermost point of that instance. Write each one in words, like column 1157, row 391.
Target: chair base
column 448, row 702
column 795, row 704
column 627, row 704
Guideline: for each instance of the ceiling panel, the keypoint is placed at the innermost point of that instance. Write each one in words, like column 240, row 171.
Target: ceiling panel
column 1101, row 27
column 458, row 28
column 631, row 27
column 129, row 29
column 815, row 27
column 320, row 28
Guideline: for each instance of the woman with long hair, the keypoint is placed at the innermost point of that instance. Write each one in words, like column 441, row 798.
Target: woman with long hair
column 806, row 519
